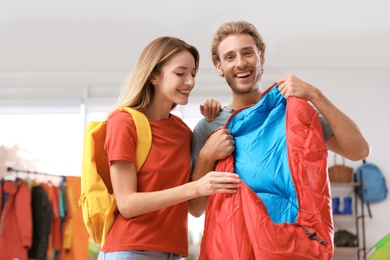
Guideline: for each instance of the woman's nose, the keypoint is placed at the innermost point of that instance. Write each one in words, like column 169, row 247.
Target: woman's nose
column 190, row 81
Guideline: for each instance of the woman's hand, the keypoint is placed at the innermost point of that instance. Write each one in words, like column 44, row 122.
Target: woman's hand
column 218, row 182
column 210, row 108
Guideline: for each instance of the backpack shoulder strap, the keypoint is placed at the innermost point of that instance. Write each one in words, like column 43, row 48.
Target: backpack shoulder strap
column 144, row 134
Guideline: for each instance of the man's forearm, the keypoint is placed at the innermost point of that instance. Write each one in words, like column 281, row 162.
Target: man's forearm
column 347, row 139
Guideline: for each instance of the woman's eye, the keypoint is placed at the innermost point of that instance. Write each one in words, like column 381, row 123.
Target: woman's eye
column 180, row 74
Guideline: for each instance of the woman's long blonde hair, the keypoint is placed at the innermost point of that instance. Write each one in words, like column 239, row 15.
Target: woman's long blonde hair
column 138, row 91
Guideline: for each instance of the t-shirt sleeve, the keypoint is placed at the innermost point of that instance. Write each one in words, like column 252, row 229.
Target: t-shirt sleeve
column 325, row 127
column 203, row 129
column 327, row 132
column 121, row 137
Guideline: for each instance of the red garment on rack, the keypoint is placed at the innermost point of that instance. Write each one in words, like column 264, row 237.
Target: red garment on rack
column 15, row 221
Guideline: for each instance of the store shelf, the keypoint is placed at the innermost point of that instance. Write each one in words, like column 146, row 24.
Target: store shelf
column 352, row 222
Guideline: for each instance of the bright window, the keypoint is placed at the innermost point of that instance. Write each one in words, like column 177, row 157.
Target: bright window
column 47, row 143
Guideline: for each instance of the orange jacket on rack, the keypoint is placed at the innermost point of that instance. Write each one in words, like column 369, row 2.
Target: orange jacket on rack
column 282, row 209
column 15, row 220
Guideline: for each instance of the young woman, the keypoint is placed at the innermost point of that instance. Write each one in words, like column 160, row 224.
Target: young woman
column 153, row 203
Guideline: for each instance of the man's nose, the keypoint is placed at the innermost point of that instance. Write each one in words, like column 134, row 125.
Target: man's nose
column 241, row 61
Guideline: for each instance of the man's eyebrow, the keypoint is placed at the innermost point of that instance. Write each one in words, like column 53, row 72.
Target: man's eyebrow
column 248, row 48
column 227, row 53
column 242, row 49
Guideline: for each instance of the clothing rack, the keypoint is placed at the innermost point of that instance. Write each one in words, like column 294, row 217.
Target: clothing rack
column 42, row 217
column 10, row 169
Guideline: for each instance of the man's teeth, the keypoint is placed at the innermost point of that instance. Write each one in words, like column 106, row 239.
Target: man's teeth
column 243, row 74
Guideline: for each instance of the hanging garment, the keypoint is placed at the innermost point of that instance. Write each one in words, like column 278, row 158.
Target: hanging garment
column 42, row 217
column 79, row 237
column 55, row 232
column 15, row 220
column 282, row 209
column 68, row 227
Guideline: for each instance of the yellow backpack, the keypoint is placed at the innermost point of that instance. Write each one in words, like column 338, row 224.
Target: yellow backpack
column 97, row 199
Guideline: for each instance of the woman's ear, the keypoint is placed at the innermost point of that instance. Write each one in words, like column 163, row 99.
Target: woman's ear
column 153, row 80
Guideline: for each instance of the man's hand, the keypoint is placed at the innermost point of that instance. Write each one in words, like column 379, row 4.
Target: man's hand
column 219, row 145
column 293, row 86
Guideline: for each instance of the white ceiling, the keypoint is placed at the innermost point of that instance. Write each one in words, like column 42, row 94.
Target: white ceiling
column 73, row 43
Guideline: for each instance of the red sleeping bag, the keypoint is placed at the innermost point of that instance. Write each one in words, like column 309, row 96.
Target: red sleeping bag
column 239, row 227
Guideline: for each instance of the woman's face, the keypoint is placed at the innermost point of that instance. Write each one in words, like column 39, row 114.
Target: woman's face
column 176, row 79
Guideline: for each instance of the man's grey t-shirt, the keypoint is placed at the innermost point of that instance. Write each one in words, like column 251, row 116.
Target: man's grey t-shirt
column 204, row 128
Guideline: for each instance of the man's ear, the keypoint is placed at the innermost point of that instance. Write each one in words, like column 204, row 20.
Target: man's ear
column 262, row 59
column 219, row 69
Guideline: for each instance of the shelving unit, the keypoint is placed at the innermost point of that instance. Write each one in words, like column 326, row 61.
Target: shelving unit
column 355, row 222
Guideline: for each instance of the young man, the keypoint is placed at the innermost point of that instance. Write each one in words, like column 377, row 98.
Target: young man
column 238, row 53
column 293, row 218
